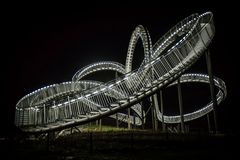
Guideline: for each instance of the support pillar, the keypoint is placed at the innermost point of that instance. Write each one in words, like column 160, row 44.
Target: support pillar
column 142, row 115
column 155, row 120
column 44, row 114
column 155, row 104
column 129, row 123
column 100, row 124
column 134, row 120
column 180, row 104
column 161, row 106
column 213, row 96
column 152, row 112
column 23, row 116
column 209, row 124
column 117, row 124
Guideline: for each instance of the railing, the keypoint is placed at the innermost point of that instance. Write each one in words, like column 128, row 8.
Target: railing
column 172, row 55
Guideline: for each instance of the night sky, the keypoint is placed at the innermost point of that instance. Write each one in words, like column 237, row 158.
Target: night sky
column 49, row 44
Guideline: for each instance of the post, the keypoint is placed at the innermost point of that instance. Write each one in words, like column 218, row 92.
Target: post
column 152, row 112
column 209, row 124
column 142, row 115
column 117, row 120
column 161, row 104
column 155, row 100
column 129, row 123
column 180, row 104
column 100, row 124
column 70, row 107
column 117, row 124
column 155, row 120
column 213, row 96
column 44, row 114
column 134, row 120
column 22, row 116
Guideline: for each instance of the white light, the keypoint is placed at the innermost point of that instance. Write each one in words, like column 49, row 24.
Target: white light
column 95, row 92
column 118, row 82
column 127, row 74
column 146, row 65
column 86, row 96
column 110, row 86
column 103, row 89
column 73, row 100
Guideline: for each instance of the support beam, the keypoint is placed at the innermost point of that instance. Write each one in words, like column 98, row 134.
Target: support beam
column 213, row 96
column 129, row 112
column 89, row 125
column 100, row 124
column 155, row 104
column 117, row 124
column 70, row 107
column 152, row 114
column 44, row 114
column 151, row 109
column 155, row 120
column 134, row 120
column 180, row 104
column 161, row 106
column 22, row 116
column 209, row 124
column 142, row 114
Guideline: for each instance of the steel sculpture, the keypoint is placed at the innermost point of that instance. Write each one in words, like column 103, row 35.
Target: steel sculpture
column 67, row 104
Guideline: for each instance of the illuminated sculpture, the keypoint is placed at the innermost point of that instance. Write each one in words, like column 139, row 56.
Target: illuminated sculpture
column 77, row 102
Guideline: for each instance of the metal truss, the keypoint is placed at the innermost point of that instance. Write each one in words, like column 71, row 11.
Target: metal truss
column 64, row 105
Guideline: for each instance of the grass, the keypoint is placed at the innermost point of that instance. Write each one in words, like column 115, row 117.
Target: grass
column 103, row 128
column 121, row 143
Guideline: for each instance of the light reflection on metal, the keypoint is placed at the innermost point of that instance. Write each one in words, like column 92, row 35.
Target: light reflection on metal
column 79, row 101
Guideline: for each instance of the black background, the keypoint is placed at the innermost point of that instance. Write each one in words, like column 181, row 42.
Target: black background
column 46, row 44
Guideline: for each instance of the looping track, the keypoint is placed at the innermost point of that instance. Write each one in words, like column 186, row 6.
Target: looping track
column 68, row 104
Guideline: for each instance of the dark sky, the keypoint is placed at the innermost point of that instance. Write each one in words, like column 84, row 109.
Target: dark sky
column 49, row 44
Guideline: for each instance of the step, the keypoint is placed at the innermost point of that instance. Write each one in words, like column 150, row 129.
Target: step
column 123, row 101
column 115, row 105
column 82, row 116
column 94, row 112
column 104, row 109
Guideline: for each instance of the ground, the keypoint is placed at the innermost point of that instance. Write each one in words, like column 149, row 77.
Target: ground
column 112, row 143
